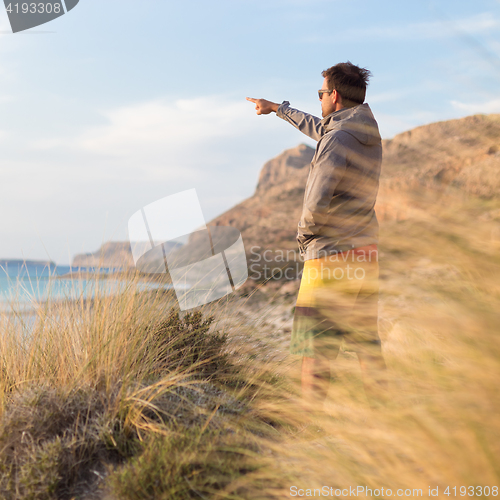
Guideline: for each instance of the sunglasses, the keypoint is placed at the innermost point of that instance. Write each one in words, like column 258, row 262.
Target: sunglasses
column 322, row 91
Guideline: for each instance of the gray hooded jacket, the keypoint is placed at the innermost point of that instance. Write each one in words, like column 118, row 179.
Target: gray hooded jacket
column 338, row 212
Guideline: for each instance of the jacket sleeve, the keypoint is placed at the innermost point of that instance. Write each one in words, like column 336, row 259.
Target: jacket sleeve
column 309, row 125
column 326, row 173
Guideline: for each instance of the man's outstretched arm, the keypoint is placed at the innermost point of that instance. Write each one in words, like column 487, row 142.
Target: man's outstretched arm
column 309, row 125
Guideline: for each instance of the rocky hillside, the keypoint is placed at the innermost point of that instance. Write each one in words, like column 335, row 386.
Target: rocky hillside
column 459, row 154
column 464, row 153
column 269, row 218
column 456, row 155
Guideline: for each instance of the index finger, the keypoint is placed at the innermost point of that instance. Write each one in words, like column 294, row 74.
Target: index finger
column 250, row 99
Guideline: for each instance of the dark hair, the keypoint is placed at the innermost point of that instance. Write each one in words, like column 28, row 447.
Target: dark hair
column 349, row 81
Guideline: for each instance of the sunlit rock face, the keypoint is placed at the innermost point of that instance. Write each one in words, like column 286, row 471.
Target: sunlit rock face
column 457, row 155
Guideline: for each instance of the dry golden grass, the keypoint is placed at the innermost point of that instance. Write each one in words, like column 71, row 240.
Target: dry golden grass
column 439, row 323
column 117, row 398
column 90, row 389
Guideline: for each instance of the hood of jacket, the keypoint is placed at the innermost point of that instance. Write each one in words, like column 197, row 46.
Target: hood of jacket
column 357, row 121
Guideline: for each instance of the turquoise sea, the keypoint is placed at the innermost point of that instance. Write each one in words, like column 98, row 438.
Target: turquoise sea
column 24, row 286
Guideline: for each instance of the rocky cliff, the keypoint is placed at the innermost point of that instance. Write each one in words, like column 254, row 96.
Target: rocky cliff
column 268, row 219
column 452, row 156
column 111, row 254
column 457, row 155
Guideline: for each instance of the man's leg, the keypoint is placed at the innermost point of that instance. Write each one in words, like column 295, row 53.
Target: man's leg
column 374, row 372
column 369, row 348
column 316, row 375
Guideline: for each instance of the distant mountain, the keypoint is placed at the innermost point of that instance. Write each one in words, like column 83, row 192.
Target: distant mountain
column 29, row 263
column 113, row 254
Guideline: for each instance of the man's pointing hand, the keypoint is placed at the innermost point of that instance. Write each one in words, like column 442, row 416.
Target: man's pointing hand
column 264, row 107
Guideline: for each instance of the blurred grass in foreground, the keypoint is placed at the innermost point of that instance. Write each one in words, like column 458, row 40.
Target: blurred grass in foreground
column 122, row 398
column 439, row 322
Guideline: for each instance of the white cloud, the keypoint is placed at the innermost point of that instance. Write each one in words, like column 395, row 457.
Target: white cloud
column 474, row 25
column 167, row 139
column 162, row 125
column 141, row 153
column 492, row 106
column 179, row 124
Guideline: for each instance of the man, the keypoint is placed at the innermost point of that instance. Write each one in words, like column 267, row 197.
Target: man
column 338, row 231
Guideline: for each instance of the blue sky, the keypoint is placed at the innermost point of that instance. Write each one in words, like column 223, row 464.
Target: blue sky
column 120, row 103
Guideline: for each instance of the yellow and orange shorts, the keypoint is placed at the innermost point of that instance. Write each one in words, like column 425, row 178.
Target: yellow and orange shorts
column 338, row 300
